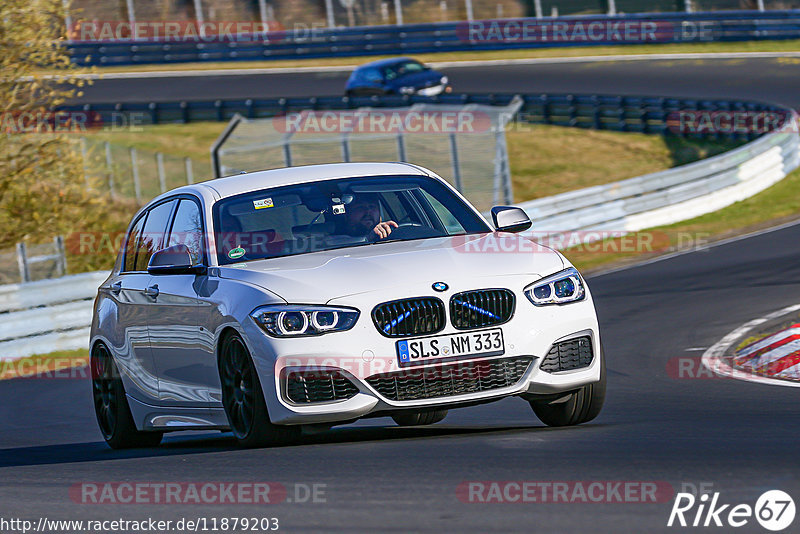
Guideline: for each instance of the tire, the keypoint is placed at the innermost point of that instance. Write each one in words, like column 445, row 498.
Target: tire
column 111, row 405
column 419, row 418
column 581, row 406
column 243, row 399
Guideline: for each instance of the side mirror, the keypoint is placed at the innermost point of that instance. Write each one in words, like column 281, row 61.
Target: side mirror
column 510, row 219
column 173, row 260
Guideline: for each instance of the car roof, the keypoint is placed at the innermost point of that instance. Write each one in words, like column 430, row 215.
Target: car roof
column 386, row 62
column 253, row 181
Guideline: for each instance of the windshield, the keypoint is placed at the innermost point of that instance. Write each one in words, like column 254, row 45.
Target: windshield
column 403, row 69
column 341, row 213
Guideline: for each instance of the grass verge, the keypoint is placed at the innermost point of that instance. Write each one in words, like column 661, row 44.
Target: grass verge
column 533, row 53
column 547, row 160
column 777, row 204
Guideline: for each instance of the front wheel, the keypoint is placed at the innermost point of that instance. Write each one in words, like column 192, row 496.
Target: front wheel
column 111, row 405
column 243, row 399
column 576, row 407
column 419, row 418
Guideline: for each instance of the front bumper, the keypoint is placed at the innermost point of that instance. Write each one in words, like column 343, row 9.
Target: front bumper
column 362, row 353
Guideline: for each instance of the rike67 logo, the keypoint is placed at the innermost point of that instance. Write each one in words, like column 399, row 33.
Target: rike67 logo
column 774, row 510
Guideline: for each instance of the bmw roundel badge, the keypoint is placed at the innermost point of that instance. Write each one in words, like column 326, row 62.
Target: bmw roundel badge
column 440, row 286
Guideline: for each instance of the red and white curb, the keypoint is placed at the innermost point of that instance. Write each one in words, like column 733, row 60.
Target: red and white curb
column 777, row 355
column 773, row 360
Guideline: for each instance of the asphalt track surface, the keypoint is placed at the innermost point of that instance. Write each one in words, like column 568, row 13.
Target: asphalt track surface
column 737, row 436
column 773, row 79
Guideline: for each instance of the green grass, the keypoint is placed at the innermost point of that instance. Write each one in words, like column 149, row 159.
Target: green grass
column 191, row 140
column 578, row 51
column 779, row 203
column 547, row 160
column 52, row 364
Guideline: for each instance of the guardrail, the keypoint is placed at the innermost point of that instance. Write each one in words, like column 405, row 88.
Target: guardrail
column 668, row 196
column 657, row 115
column 445, row 37
column 48, row 315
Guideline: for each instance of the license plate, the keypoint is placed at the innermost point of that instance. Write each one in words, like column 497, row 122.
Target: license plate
column 452, row 346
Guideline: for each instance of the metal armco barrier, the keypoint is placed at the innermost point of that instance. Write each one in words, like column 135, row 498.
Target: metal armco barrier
column 669, row 196
column 652, row 28
column 657, row 115
column 48, row 315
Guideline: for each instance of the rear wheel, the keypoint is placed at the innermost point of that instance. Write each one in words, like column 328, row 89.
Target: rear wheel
column 576, row 407
column 111, row 405
column 419, row 418
column 243, row 399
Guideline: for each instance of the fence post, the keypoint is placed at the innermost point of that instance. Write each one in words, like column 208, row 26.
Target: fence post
column 287, row 154
column 22, row 263
column 502, row 173
column 187, row 164
column 137, row 186
column 454, row 162
column 612, row 7
column 58, row 243
column 329, row 13
column 398, row 12
column 110, row 168
column 401, row 147
column 761, row 5
column 345, row 149
column 537, row 6
column 162, row 179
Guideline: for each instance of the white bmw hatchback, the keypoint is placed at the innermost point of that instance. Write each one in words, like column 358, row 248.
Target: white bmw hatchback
column 314, row 296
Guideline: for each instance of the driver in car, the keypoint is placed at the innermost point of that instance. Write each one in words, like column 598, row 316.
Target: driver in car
column 363, row 218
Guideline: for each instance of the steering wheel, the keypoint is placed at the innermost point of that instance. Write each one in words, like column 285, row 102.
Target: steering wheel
column 402, row 228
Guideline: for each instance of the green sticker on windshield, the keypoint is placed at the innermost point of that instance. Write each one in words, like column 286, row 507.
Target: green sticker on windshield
column 236, row 253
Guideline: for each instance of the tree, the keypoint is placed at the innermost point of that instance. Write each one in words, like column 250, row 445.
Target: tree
column 41, row 170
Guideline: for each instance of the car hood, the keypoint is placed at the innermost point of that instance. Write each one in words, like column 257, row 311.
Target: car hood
column 317, row 278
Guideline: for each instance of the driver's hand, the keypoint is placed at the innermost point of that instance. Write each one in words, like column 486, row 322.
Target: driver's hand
column 383, row 229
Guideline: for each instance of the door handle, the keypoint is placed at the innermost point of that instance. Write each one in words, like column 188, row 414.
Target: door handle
column 116, row 287
column 152, row 291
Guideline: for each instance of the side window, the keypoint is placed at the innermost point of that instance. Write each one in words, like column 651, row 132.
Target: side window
column 187, row 229
column 132, row 244
column 372, row 75
column 153, row 235
column 444, row 214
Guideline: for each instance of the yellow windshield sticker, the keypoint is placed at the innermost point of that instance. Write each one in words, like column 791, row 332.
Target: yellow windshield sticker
column 261, row 204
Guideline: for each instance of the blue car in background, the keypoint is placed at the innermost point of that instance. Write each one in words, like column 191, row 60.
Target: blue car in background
column 404, row 76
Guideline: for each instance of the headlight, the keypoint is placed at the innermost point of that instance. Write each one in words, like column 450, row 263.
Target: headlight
column 295, row 321
column 562, row 287
column 444, row 80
